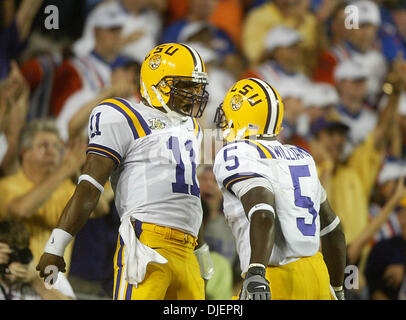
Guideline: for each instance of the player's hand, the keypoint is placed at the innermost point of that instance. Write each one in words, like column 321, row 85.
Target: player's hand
column 255, row 286
column 50, row 260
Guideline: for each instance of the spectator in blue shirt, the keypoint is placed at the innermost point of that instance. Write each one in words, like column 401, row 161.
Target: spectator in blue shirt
column 393, row 36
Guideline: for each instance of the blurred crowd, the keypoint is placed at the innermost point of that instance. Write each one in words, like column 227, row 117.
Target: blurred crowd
column 340, row 67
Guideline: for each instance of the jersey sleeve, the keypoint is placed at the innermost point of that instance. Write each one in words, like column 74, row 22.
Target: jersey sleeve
column 323, row 193
column 109, row 133
column 235, row 164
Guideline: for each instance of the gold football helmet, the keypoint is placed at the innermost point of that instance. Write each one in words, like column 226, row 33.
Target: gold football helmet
column 174, row 74
column 250, row 107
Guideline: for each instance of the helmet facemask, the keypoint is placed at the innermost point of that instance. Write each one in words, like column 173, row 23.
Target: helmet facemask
column 188, row 95
column 173, row 77
column 220, row 118
column 221, row 122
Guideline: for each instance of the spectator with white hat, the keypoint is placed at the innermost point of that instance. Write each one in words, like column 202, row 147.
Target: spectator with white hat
column 392, row 170
column 351, row 82
column 321, row 95
column 351, row 77
column 90, row 72
column 83, row 79
column 385, row 268
column 360, row 47
column 292, row 92
column 282, row 59
column 318, row 101
column 140, row 21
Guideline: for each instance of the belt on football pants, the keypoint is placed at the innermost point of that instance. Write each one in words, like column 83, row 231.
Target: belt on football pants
column 166, row 232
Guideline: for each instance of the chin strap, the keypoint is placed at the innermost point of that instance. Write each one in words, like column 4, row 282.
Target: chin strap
column 171, row 114
column 241, row 133
column 227, row 131
column 145, row 92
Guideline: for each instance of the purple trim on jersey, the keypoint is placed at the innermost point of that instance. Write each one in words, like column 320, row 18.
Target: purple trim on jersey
column 261, row 153
column 143, row 124
column 130, row 123
column 242, row 176
column 104, row 151
column 267, row 149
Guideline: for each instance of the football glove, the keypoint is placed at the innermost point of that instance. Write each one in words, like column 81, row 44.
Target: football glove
column 255, row 286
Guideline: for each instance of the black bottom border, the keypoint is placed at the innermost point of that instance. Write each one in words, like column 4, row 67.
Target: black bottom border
column 202, row 309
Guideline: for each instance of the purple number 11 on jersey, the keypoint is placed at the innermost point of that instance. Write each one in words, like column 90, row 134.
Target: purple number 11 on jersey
column 95, row 131
column 302, row 201
column 180, row 185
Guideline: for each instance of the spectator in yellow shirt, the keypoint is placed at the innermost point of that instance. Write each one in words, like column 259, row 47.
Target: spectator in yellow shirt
column 349, row 182
column 39, row 191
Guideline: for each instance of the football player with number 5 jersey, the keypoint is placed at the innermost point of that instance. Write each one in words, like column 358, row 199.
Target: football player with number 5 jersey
column 151, row 151
column 274, row 203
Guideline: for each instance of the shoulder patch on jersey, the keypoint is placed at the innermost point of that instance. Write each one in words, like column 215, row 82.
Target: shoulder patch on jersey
column 138, row 125
column 156, row 124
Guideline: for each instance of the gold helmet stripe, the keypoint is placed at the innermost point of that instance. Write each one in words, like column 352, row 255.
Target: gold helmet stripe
column 272, row 100
column 197, row 60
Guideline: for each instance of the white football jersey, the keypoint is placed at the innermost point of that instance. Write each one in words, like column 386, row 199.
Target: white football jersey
column 292, row 176
column 155, row 177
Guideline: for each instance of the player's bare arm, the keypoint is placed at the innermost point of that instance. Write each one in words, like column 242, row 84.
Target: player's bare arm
column 333, row 245
column 79, row 208
column 262, row 224
column 258, row 205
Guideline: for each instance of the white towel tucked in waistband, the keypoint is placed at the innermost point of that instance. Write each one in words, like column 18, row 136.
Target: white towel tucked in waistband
column 136, row 254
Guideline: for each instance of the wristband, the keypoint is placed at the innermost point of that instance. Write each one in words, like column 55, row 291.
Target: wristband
column 256, row 269
column 57, row 242
column 338, row 288
column 91, row 180
column 260, row 206
column 256, row 265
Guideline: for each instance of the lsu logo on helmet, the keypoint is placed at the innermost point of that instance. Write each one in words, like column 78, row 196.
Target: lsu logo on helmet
column 155, row 61
column 250, row 107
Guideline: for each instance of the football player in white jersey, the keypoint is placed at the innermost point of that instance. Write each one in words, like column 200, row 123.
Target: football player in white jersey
column 151, row 151
column 274, row 203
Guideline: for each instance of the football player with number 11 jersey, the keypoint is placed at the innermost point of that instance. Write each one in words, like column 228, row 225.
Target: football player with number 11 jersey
column 274, row 203
column 151, row 151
